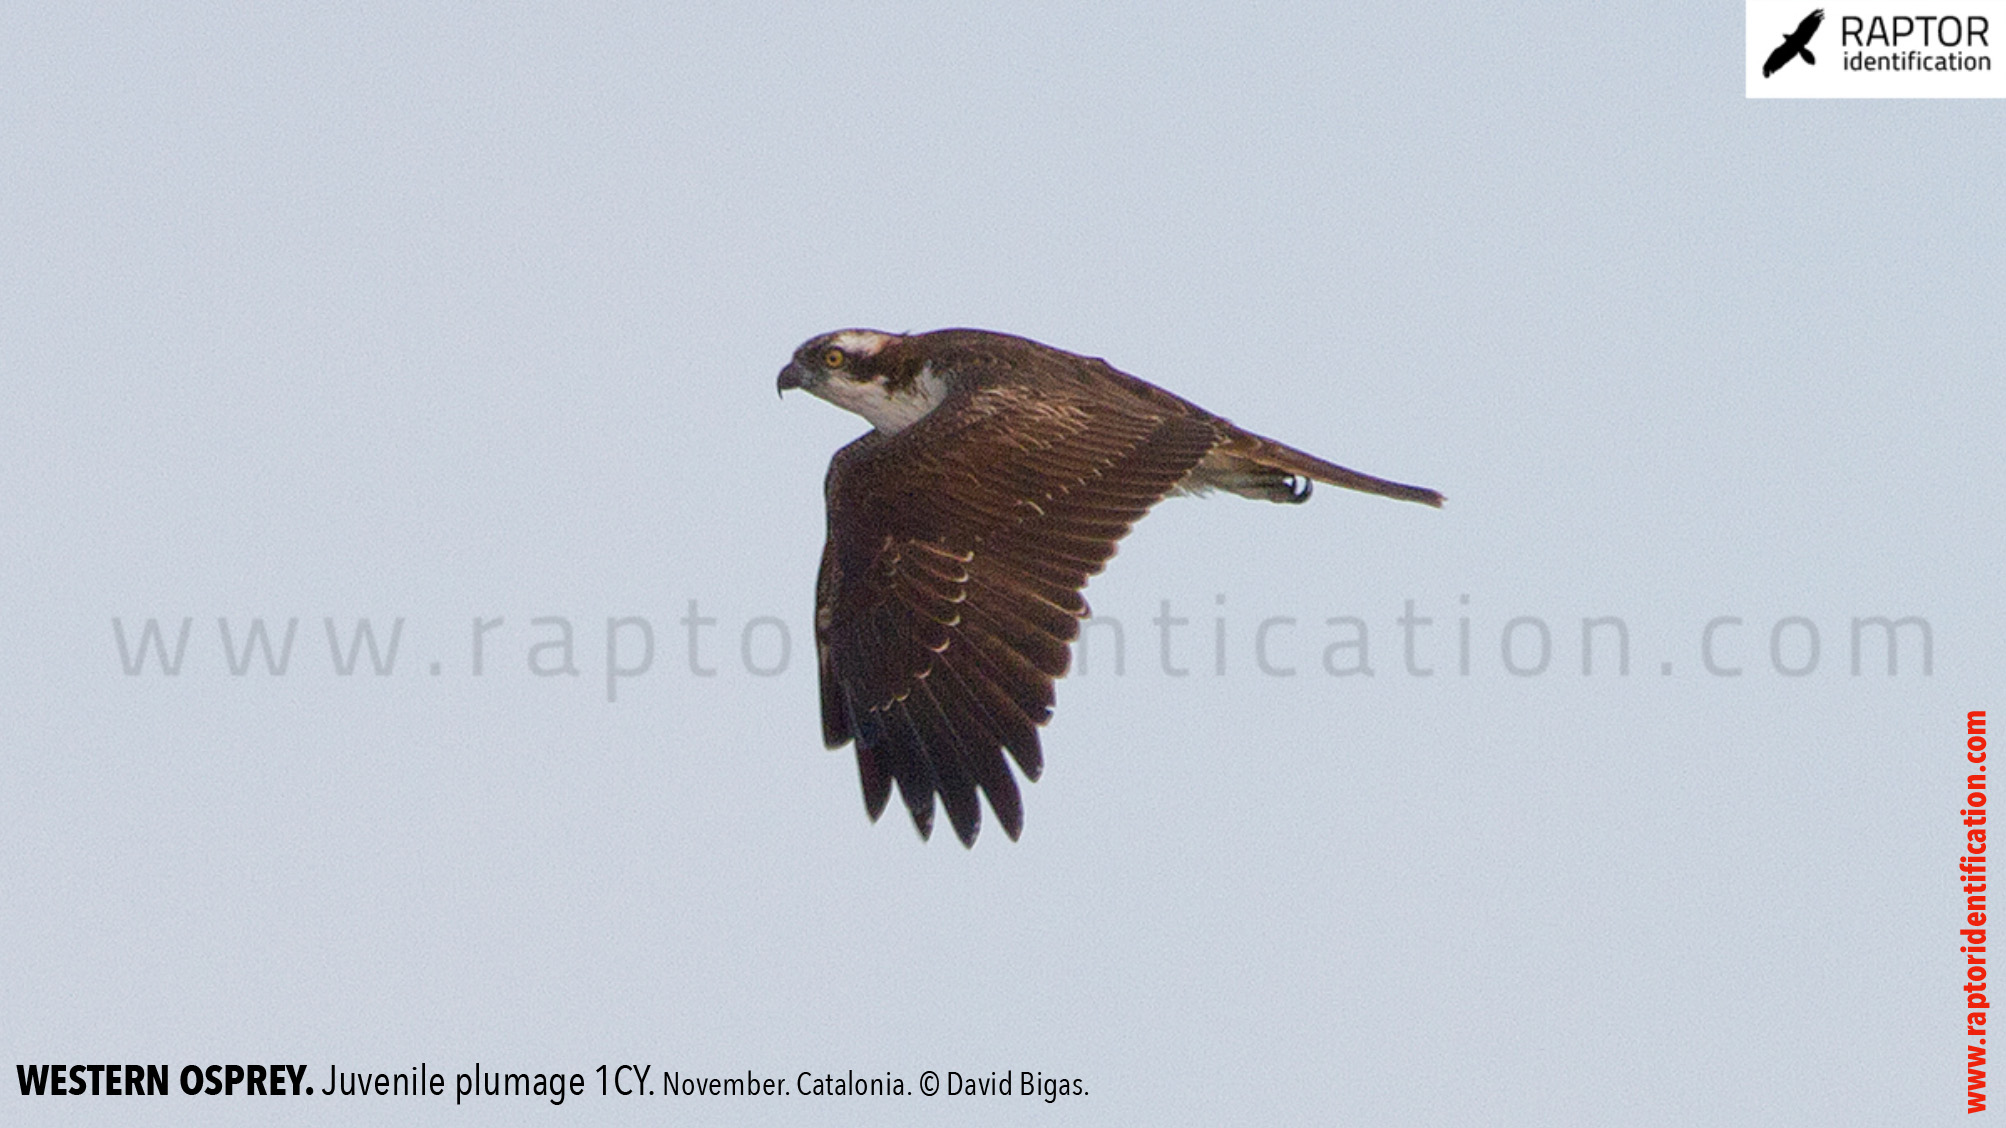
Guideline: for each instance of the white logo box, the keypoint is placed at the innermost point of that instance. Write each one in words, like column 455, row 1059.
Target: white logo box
column 1879, row 49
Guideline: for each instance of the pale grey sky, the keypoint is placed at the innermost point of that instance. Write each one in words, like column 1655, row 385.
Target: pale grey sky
column 450, row 316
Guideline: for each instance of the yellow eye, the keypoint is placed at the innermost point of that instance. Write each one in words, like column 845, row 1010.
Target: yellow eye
column 833, row 357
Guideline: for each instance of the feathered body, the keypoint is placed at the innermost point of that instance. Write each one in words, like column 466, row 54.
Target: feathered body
column 997, row 478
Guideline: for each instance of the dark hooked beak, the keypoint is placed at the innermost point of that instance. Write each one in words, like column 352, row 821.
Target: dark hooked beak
column 790, row 377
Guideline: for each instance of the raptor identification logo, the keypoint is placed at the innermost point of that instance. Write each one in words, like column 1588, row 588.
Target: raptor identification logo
column 1875, row 49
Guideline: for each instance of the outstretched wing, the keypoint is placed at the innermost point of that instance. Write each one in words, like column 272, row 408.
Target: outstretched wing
column 1809, row 27
column 1783, row 54
column 950, row 583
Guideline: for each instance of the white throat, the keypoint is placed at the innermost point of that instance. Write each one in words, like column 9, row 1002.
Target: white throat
column 888, row 413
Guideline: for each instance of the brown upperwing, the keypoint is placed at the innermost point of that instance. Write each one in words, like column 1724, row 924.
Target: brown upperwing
column 950, row 583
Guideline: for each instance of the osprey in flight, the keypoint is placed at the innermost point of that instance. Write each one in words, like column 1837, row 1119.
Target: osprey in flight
column 1796, row 43
column 997, row 477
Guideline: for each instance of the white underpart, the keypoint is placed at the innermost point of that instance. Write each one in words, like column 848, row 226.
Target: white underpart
column 888, row 413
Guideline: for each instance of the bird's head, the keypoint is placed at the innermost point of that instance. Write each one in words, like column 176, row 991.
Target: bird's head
column 877, row 375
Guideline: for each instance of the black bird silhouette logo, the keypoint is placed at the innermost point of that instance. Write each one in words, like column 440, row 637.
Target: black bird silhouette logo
column 1796, row 43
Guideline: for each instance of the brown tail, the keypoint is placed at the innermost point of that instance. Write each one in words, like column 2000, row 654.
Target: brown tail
column 1251, row 466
